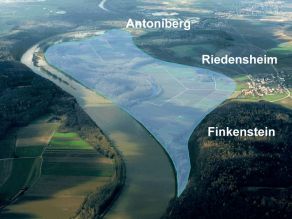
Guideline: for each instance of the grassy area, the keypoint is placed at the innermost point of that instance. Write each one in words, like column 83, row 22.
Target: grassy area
column 78, row 144
column 29, row 151
column 282, row 50
column 287, row 102
column 275, row 97
column 36, row 134
column 7, row 146
column 68, row 141
column 77, row 169
column 66, row 135
column 23, row 173
column 72, row 144
column 269, row 98
column 241, row 82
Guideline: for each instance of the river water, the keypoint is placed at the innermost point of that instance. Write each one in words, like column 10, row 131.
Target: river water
column 150, row 182
column 168, row 99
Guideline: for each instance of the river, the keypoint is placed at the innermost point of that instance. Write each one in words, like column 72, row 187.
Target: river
column 168, row 99
column 129, row 93
column 150, row 182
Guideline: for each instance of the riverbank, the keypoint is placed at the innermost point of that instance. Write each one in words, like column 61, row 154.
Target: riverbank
column 168, row 99
column 150, row 182
column 26, row 138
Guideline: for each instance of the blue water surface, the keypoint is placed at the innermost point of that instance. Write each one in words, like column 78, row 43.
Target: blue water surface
column 168, row 99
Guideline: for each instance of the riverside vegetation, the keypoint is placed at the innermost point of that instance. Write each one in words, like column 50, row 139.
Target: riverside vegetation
column 26, row 97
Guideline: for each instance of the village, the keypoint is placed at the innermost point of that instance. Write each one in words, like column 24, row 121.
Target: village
column 260, row 87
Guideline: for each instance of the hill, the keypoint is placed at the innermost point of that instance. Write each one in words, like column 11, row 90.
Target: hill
column 235, row 177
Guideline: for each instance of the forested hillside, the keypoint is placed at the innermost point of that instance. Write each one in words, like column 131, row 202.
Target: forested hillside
column 23, row 95
column 238, row 177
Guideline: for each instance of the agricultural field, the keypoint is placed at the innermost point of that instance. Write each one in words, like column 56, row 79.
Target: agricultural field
column 32, row 140
column 283, row 49
column 7, row 145
column 241, row 81
column 23, row 163
column 19, row 175
column 63, row 141
column 59, row 169
column 71, row 169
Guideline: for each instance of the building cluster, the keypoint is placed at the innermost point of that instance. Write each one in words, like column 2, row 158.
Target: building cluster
column 261, row 87
column 252, row 8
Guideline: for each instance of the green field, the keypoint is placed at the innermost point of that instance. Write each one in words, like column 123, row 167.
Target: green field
column 241, row 81
column 275, row 97
column 71, row 151
column 63, row 141
column 282, row 50
column 66, row 135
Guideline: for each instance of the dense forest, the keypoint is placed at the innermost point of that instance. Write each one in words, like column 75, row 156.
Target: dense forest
column 24, row 96
column 239, row 177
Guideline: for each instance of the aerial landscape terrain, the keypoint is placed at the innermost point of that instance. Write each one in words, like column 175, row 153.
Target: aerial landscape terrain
column 102, row 121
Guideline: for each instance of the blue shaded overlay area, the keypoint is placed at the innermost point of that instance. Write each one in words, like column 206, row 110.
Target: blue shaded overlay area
column 168, row 99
